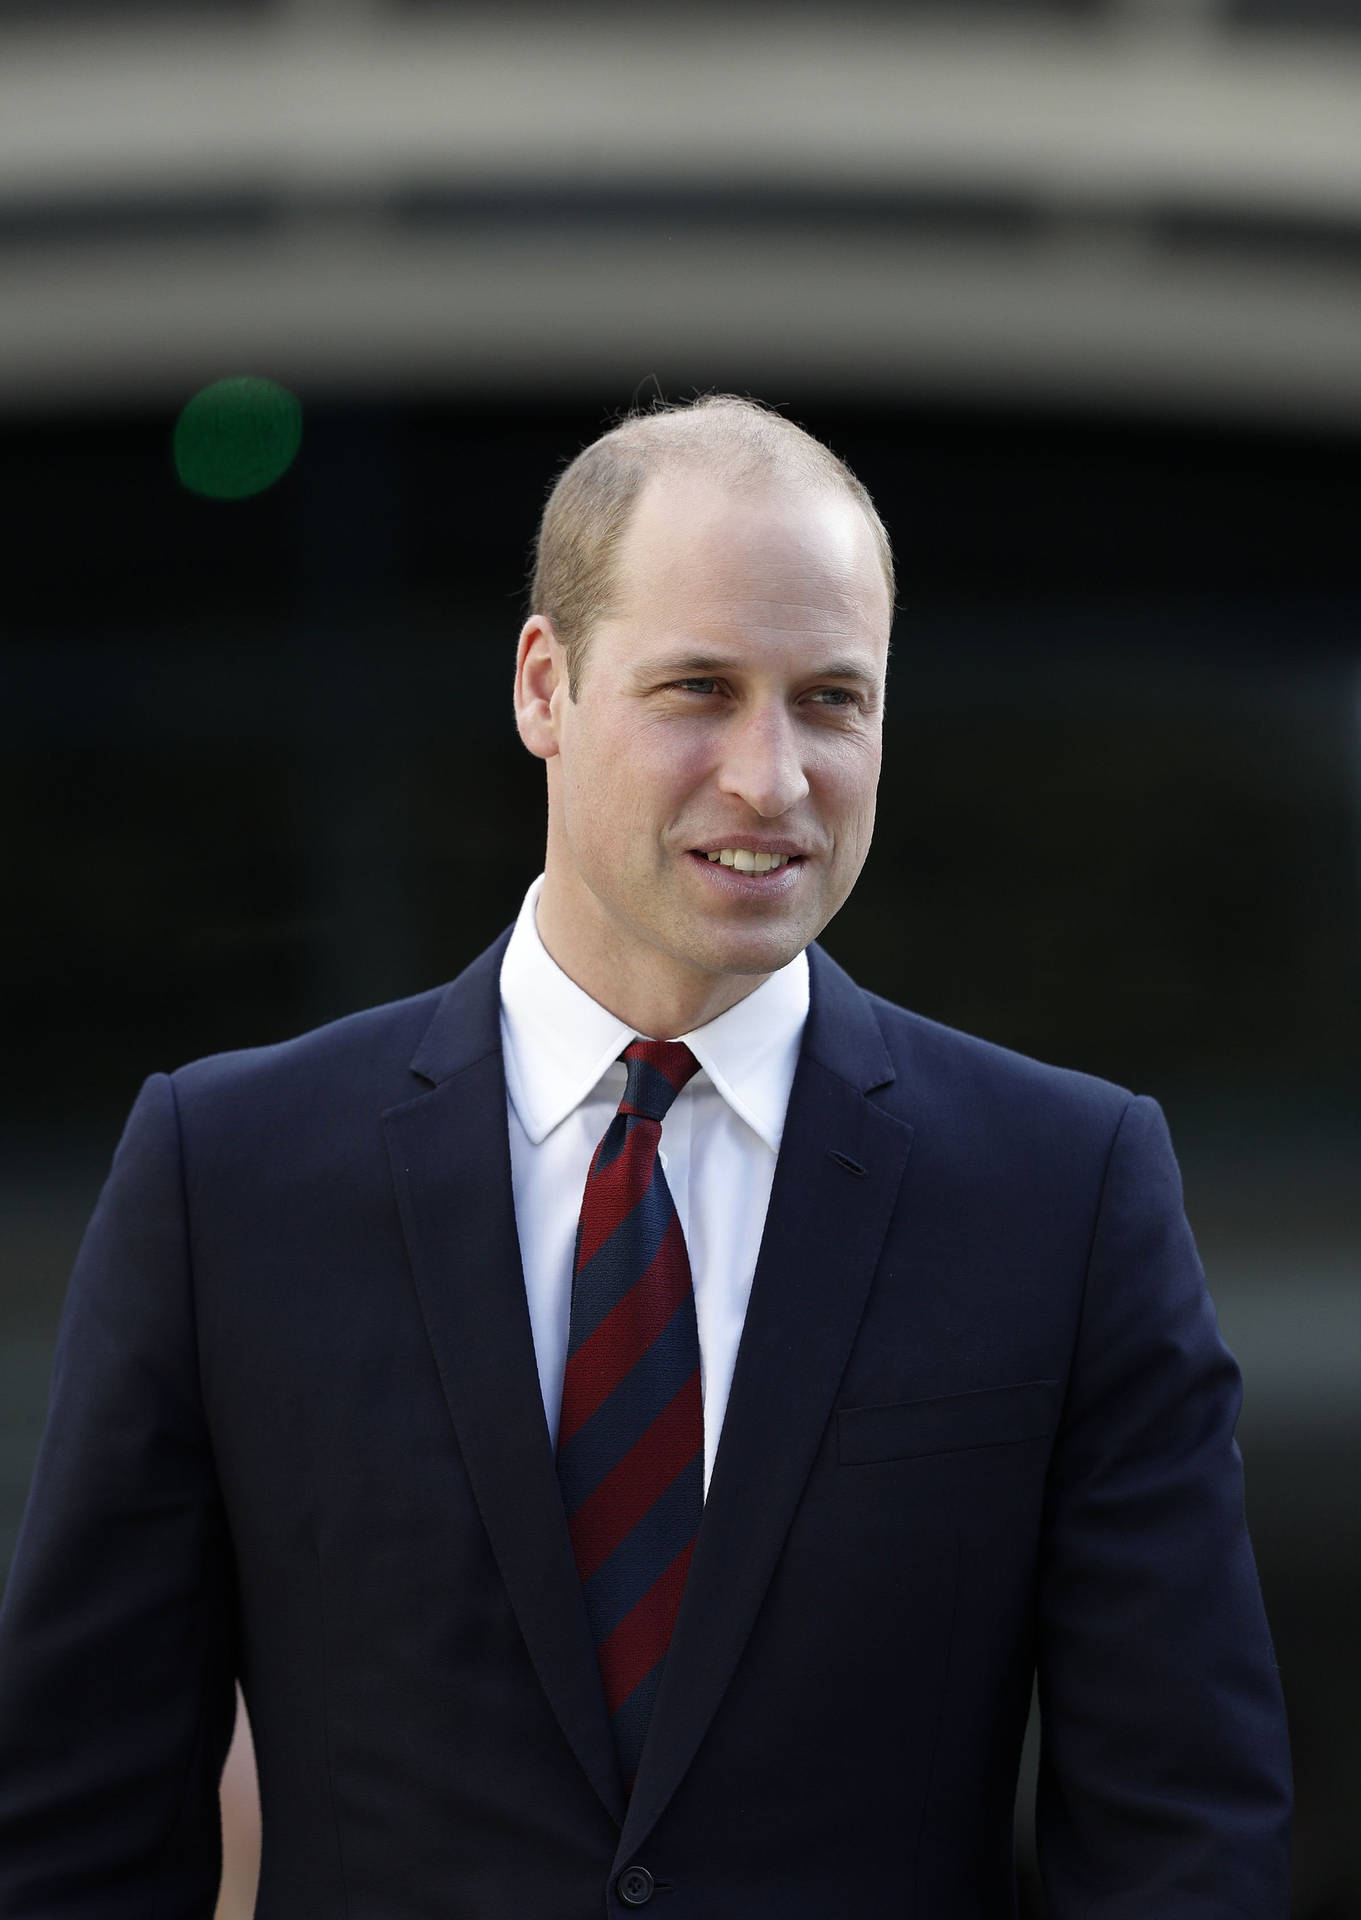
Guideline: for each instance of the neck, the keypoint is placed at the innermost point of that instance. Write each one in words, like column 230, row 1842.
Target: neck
column 654, row 994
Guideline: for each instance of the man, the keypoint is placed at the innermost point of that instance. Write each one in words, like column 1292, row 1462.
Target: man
column 638, row 1419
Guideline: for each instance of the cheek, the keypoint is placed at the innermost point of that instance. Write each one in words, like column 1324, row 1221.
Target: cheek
column 848, row 783
column 660, row 768
column 621, row 789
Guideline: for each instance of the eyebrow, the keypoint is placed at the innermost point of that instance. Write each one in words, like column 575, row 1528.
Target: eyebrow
column 698, row 663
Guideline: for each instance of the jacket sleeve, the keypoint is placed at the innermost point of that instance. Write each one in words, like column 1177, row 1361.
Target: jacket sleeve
column 1164, row 1775
column 116, row 1632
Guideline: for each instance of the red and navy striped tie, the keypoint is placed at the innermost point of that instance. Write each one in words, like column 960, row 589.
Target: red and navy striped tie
column 631, row 1438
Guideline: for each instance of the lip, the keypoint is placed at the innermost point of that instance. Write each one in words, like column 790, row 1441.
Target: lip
column 748, row 886
column 752, row 843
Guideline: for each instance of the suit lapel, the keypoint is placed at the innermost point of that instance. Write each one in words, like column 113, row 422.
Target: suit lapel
column 836, row 1180
column 835, row 1185
column 451, row 1167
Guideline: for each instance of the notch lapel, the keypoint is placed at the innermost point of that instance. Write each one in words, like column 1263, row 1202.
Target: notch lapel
column 450, row 1160
column 840, row 1167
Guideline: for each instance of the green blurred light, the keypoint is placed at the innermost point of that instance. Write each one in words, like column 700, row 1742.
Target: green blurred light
column 237, row 437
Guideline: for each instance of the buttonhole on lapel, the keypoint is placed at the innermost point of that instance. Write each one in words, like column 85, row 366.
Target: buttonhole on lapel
column 844, row 1160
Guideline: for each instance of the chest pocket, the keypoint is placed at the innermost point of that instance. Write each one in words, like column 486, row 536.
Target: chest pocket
column 990, row 1417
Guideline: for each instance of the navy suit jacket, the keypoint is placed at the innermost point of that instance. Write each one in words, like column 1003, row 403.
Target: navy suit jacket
column 981, row 1428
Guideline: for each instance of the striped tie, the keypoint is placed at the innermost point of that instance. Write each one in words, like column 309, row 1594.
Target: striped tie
column 631, row 1438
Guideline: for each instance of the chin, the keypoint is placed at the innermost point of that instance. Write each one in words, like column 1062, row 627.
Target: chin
column 751, row 956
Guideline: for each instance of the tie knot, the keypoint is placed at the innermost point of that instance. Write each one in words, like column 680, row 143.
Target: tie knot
column 657, row 1070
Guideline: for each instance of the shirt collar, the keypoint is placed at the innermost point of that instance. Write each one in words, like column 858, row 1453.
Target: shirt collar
column 558, row 1042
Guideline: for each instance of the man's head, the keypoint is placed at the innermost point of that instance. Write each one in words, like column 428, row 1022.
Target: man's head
column 722, row 695
column 735, row 443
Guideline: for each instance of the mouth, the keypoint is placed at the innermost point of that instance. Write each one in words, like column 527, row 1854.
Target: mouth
column 749, row 869
column 749, row 859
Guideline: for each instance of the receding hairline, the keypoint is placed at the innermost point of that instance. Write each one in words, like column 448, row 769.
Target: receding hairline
column 741, row 446
column 743, row 434
column 736, row 445
column 667, row 484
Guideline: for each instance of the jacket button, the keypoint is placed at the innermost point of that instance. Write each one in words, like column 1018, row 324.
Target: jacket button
column 635, row 1886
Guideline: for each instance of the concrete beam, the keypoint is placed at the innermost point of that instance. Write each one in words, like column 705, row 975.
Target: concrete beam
column 1093, row 116
column 371, row 309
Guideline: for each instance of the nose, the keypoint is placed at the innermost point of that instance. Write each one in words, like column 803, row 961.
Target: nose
column 762, row 762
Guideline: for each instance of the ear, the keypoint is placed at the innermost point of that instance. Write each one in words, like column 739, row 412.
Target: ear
column 540, row 674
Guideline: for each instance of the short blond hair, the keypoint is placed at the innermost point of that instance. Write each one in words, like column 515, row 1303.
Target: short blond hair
column 741, row 443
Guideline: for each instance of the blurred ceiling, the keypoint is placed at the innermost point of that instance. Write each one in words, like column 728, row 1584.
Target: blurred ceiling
column 1151, row 203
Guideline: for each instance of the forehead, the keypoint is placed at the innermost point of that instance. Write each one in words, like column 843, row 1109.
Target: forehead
column 776, row 555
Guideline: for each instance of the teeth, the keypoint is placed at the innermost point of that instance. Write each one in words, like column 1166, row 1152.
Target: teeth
column 745, row 861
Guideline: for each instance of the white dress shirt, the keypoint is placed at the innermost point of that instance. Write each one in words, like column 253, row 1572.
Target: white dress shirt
column 564, row 1082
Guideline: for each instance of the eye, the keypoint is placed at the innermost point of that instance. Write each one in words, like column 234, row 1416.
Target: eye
column 837, row 697
column 700, row 683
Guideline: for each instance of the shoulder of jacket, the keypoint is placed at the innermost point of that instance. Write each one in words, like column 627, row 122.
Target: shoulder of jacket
column 926, row 1051
column 373, row 1036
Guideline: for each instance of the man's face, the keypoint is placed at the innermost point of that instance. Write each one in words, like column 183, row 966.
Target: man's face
column 731, row 705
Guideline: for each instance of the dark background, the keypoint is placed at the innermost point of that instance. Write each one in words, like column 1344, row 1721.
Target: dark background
column 259, row 768
column 261, row 758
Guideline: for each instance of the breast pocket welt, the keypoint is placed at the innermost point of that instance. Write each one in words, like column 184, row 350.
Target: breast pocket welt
column 953, row 1423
